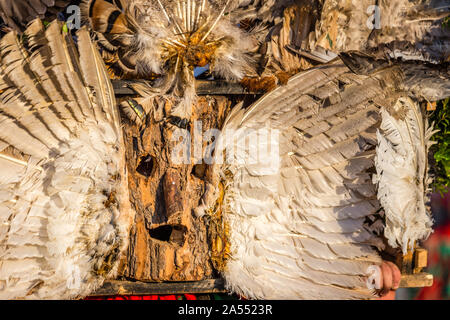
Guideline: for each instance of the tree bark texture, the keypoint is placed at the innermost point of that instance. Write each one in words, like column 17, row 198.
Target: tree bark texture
column 168, row 242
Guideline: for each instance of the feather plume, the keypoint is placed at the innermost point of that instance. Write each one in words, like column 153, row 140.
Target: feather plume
column 166, row 40
column 401, row 163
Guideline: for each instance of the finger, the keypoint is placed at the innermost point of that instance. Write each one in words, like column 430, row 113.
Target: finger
column 379, row 282
column 396, row 275
column 387, row 278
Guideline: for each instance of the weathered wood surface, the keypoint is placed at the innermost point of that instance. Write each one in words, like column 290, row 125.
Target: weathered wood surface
column 419, row 280
column 168, row 242
column 420, row 260
column 112, row 288
column 411, row 266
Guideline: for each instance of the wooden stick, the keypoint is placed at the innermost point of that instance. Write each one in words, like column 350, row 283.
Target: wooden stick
column 419, row 280
column 203, row 88
column 114, row 287
column 420, row 260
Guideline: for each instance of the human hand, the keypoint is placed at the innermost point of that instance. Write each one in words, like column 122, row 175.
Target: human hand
column 390, row 280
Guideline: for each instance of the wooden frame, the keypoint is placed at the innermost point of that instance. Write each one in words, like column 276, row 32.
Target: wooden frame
column 216, row 87
column 116, row 287
column 112, row 288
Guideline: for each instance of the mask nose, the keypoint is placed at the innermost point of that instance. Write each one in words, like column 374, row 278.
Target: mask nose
column 174, row 229
column 173, row 195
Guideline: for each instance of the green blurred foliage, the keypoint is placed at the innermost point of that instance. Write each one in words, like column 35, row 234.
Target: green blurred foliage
column 446, row 22
column 441, row 150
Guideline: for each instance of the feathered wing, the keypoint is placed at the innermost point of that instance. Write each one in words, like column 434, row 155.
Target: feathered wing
column 64, row 206
column 401, row 163
column 307, row 223
column 18, row 13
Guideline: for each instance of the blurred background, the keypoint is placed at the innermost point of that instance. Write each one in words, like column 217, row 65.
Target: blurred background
column 438, row 246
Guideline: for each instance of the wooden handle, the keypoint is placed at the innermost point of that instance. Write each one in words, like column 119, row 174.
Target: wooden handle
column 418, row 280
column 411, row 265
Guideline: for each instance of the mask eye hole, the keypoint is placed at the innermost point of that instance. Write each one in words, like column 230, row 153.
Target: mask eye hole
column 147, row 166
column 199, row 171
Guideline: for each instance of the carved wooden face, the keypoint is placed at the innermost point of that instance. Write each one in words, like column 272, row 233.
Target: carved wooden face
column 168, row 241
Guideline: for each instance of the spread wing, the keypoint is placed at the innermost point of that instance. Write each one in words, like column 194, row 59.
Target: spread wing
column 303, row 215
column 64, row 211
column 18, row 13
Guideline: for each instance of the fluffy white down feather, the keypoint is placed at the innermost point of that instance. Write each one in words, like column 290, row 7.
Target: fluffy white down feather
column 401, row 163
column 64, row 208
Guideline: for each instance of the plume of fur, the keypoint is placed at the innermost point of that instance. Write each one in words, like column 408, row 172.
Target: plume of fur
column 401, row 164
column 64, row 204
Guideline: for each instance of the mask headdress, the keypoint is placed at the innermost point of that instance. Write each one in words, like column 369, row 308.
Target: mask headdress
column 166, row 40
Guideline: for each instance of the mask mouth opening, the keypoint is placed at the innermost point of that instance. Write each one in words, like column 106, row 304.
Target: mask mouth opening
column 174, row 234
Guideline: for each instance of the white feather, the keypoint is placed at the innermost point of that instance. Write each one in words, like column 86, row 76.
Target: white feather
column 401, row 164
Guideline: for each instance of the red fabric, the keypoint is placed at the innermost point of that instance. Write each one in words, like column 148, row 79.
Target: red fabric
column 439, row 288
column 151, row 297
column 171, row 297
